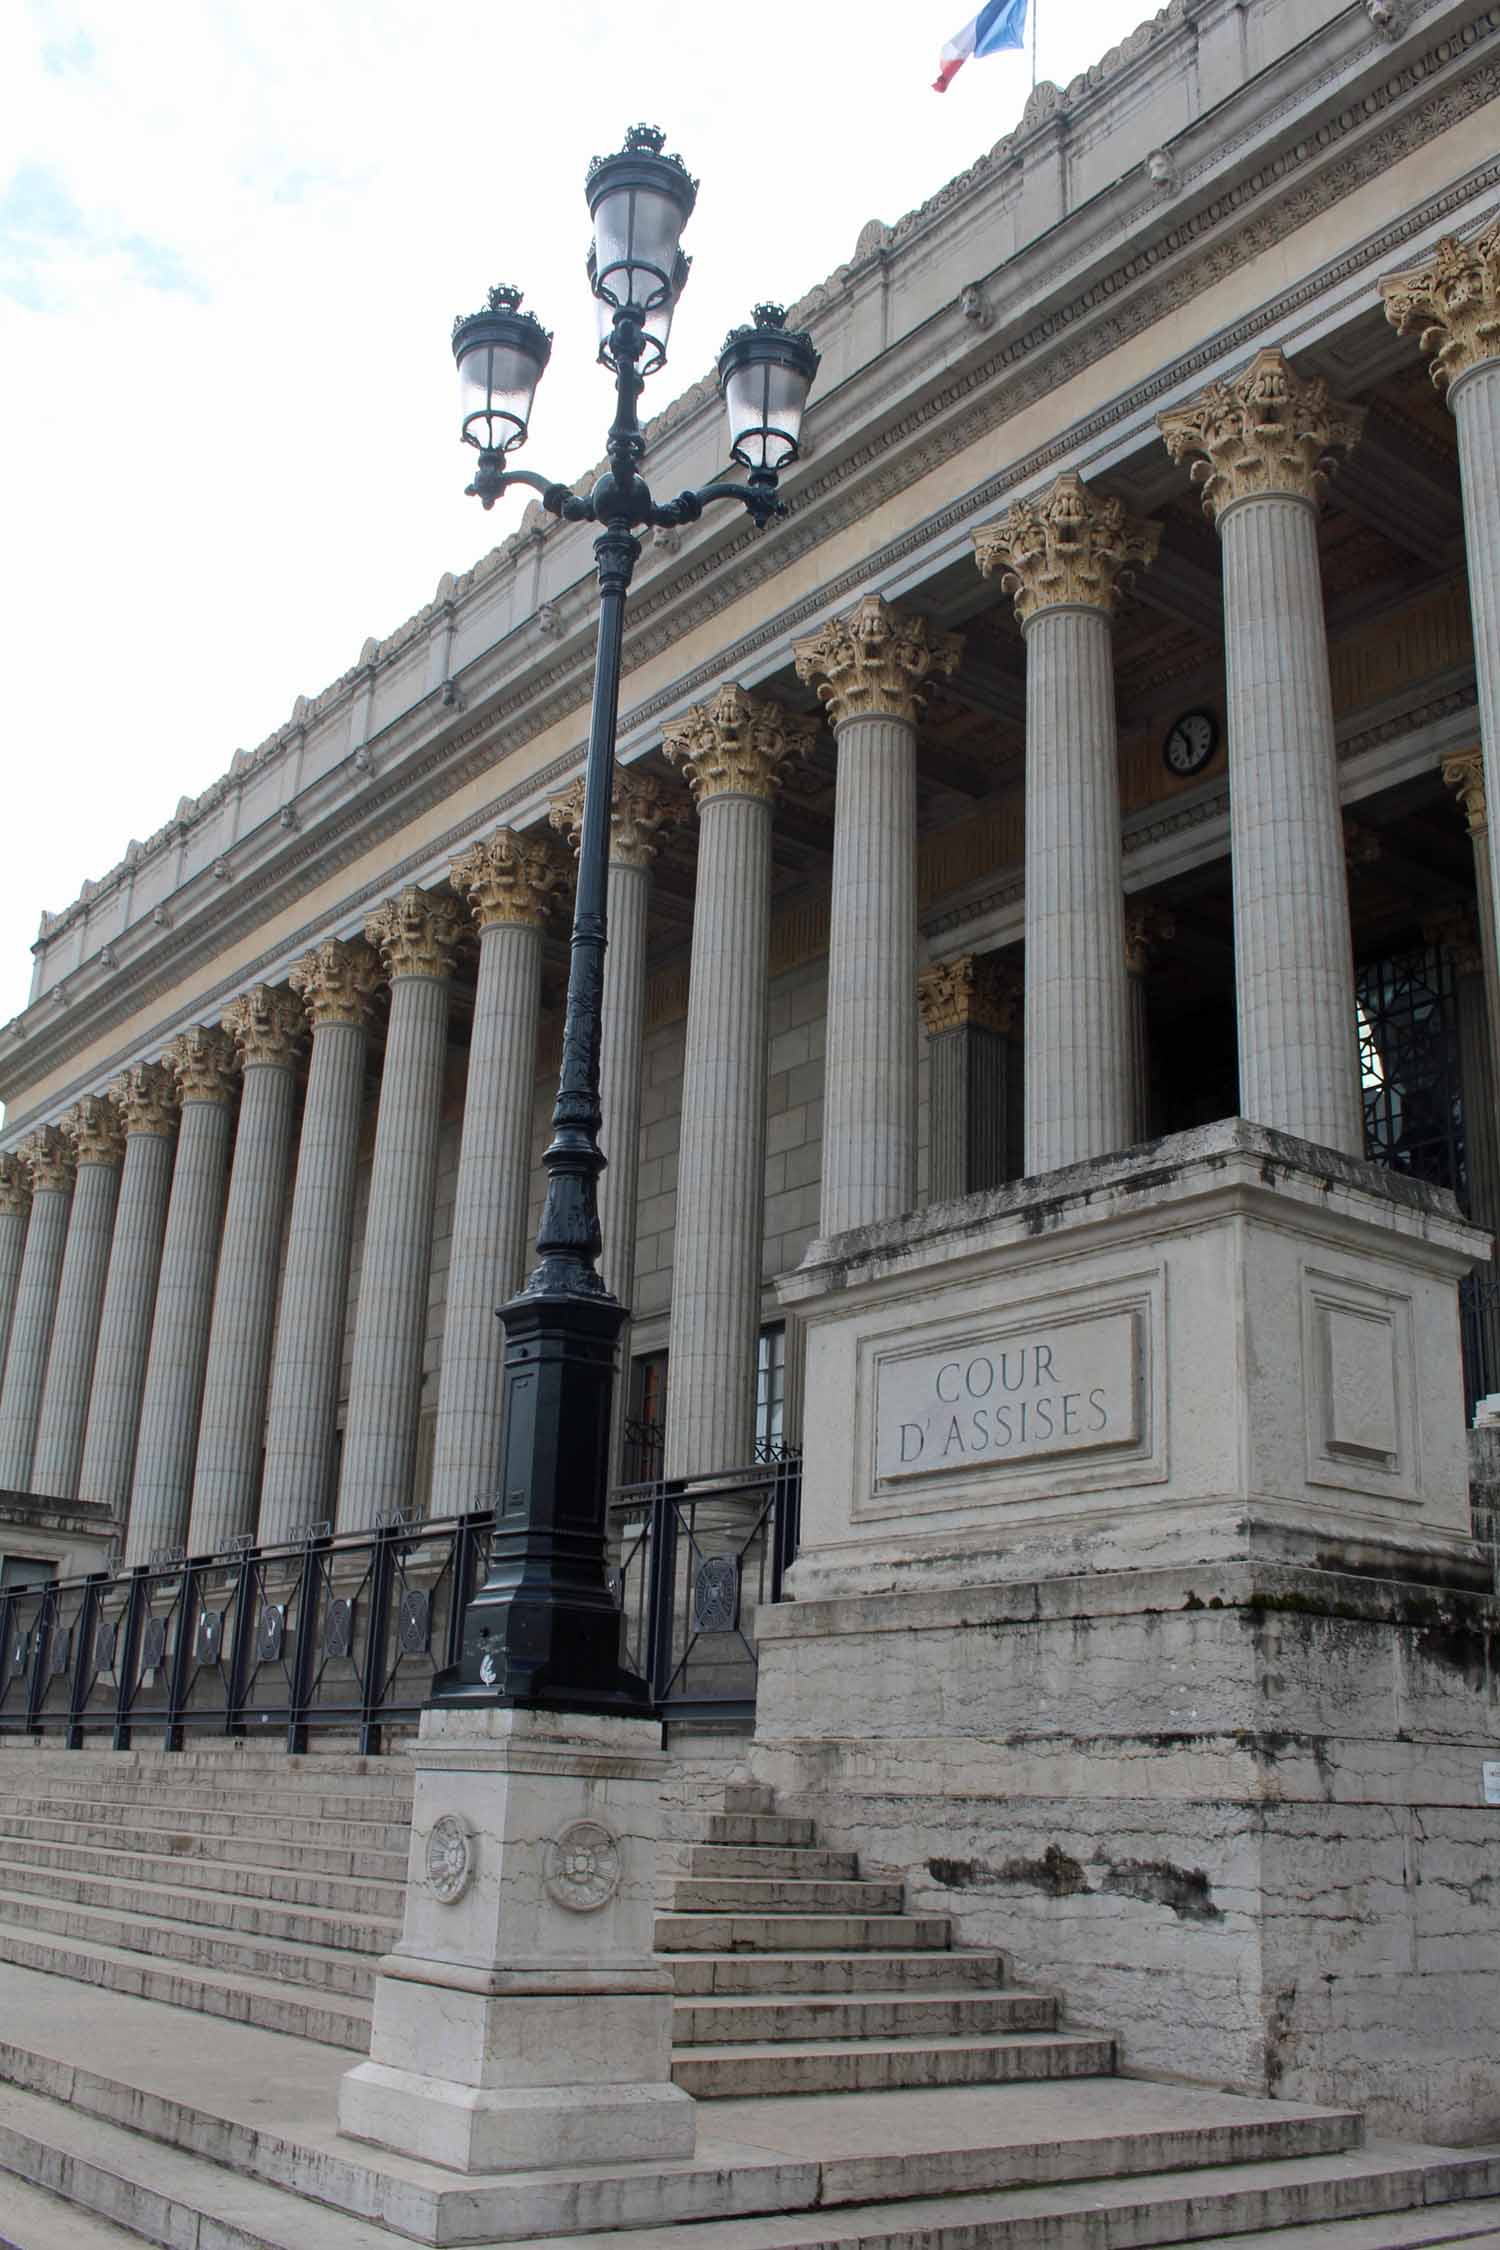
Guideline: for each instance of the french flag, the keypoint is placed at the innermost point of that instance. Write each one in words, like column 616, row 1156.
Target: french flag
column 1001, row 24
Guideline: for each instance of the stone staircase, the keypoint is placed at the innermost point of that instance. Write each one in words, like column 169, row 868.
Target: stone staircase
column 869, row 2084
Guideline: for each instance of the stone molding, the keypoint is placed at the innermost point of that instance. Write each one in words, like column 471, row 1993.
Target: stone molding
column 1451, row 302
column 268, row 1025
column 1458, row 930
column 974, row 990
column 15, row 1186
column 417, row 934
column 1147, row 928
column 734, row 746
column 1463, row 771
column 96, row 1130
column 874, row 662
column 146, row 1097
column 48, row 1157
column 1071, row 548
column 337, row 982
column 204, row 1064
column 639, row 810
column 509, row 877
column 1266, row 431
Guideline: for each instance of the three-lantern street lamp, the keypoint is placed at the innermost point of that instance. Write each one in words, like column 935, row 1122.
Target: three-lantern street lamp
column 544, row 1628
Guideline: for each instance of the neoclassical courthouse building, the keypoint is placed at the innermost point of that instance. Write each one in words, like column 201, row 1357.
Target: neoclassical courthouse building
column 1094, row 753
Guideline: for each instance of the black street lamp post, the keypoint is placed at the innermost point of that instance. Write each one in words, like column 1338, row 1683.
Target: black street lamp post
column 544, row 1630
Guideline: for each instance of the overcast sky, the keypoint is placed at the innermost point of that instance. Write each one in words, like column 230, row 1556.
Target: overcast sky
column 233, row 236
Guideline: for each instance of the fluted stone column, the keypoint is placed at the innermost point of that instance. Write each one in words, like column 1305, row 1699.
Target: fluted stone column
column 869, row 667
column 146, row 1098
column 1460, row 932
column 1452, row 303
column 266, row 1026
column 15, row 1212
column 729, row 750
column 639, row 809
column 509, row 881
column 1261, row 447
column 969, row 1008
column 1146, row 928
column 203, row 1063
column 1064, row 558
column 337, row 984
column 97, row 1133
column 1464, row 774
column 48, row 1158
column 416, row 935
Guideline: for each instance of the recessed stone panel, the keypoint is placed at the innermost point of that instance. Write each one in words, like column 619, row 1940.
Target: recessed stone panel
column 1360, row 1371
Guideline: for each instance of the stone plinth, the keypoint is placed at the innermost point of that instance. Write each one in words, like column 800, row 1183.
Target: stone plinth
column 1107, row 1366
column 524, row 2021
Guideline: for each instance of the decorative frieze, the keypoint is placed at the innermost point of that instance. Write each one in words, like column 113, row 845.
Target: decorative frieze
column 508, row 878
column 734, row 746
column 417, row 934
column 1270, row 430
column 267, row 1025
column 48, row 1157
column 1072, row 548
column 1451, row 302
column 874, row 662
column 337, row 982
column 640, row 809
column 97, row 1130
column 1463, row 771
column 146, row 1098
column 974, row 989
column 15, row 1186
column 203, row 1062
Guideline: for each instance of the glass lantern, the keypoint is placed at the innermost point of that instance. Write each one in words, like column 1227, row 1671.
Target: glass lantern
column 765, row 374
column 501, row 354
column 639, row 201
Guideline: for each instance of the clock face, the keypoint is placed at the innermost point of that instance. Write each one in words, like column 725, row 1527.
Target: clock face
column 1191, row 743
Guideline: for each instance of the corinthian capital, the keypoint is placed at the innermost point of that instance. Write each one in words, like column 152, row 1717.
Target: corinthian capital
column 337, row 982
column 1464, row 773
column 874, row 662
column 203, row 1061
column 974, row 990
column 15, row 1186
column 1269, row 431
column 1452, row 303
column 1072, row 548
column 266, row 1024
column 416, row 934
column 734, row 746
column 639, row 809
column 146, row 1098
column 508, row 877
column 97, row 1130
column 48, row 1157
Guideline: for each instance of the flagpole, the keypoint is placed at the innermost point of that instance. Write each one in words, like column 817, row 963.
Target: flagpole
column 1035, row 7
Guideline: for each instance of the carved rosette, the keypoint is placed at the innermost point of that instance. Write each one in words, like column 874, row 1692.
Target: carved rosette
column 1463, row 771
column 640, row 809
column 146, row 1097
column 337, row 982
column 48, row 1157
column 417, row 934
column 267, row 1024
column 1146, row 928
column 1459, row 931
column 974, row 990
column 203, row 1061
column 1070, row 549
column 15, row 1186
column 97, row 1130
column 734, row 746
column 874, row 662
column 1269, row 431
column 1452, row 303
column 508, row 877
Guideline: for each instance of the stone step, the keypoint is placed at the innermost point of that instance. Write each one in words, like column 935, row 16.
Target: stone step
column 194, row 1845
column 240, row 1755
column 331, row 2019
column 213, row 1909
column 321, row 1969
column 1475, row 2226
column 252, row 1799
column 749, row 1797
column 801, row 1933
column 288, row 1884
column 784, row 1895
column 830, row 1974
column 875, row 2015
column 203, row 1820
column 31, row 2218
column 802, row 1862
column 873, row 2066
column 758, row 1828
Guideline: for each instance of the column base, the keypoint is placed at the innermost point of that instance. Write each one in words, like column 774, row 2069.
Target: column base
column 515, row 2128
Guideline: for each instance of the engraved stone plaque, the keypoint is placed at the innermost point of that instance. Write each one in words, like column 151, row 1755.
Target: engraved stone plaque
column 581, row 1868
column 450, row 1859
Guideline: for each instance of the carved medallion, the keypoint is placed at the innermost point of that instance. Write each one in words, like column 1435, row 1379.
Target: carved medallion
column 270, row 1631
column 581, row 1868
column 450, row 1859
